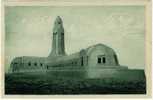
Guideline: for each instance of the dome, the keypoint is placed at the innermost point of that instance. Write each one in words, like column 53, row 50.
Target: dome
column 103, row 47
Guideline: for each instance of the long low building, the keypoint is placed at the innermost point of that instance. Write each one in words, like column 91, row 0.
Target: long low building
column 96, row 56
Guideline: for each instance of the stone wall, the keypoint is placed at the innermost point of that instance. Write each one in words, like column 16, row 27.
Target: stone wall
column 28, row 64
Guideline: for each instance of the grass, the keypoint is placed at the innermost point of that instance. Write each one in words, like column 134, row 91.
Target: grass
column 45, row 83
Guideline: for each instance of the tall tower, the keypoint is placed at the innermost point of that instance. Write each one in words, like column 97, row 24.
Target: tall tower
column 58, row 46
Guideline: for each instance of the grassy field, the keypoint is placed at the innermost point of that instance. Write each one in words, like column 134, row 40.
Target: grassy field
column 46, row 83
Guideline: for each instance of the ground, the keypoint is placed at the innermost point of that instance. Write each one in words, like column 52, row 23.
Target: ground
column 46, row 83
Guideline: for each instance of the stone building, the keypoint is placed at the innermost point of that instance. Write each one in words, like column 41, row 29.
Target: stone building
column 96, row 56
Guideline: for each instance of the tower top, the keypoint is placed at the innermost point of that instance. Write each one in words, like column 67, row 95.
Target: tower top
column 58, row 20
column 58, row 25
column 58, row 45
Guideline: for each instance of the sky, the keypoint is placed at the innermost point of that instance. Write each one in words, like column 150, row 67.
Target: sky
column 28, row 30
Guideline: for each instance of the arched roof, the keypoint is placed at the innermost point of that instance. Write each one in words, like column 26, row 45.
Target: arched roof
column 105, row 47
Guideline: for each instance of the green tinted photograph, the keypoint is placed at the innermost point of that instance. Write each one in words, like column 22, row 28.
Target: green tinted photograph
column 59, row 50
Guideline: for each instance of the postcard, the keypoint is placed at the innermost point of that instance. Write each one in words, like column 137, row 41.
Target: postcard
column 81, row 48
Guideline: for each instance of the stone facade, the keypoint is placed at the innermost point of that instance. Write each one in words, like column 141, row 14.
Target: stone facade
column 28, row 64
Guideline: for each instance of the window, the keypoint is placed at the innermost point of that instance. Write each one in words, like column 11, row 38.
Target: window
column 99, row 60
column 104, row 60
column 82, row 61
column 29, row 64
column 47, row 66
column 87, row 60
column 75, row 63
column 41, row 64
column 15, row 63
column 35, row 64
